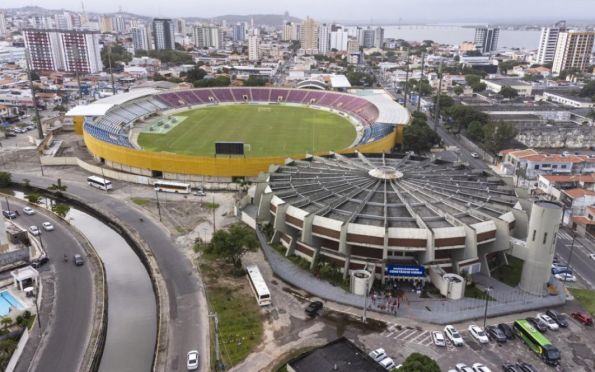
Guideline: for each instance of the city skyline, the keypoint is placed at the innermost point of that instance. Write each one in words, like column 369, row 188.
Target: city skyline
column 350, row 10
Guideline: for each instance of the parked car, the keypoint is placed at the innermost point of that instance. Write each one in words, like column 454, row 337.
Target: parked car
column 511, row 368
column 387, row 363
column 475, row 155
column 592, row 256
column 479, row 367
column 558, row 318
column 199, row 193
column 38, row 262
column 192, row 360
column 438, row 338
column 11, row 215
column 507, row 330
column 34, row 230
column 313, row 308
column 526, row 367
column 78, row 260
column 495, row 333
column 453, row 335
column 478, row 334
column 378, row 354
column 462, row 367
column 560, row 270
column 583, row 318
column 549, row 322
column 47, row 226
column 28, row 211
column 537, row 324
column 565, row 277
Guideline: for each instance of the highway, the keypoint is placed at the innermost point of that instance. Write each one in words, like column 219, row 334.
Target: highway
column 582, row 265
column 188, row 317
column 68, row 333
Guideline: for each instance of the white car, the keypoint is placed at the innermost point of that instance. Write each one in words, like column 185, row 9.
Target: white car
column 378, row 354
column 28, row 211
column 592, row 256
column 438, row 338
column 475, row 155
column 462, row 367
column 387, row 363
column 453, row 335
column 549, row 322
column 47, row 226
column 478, row 367
column 34, row 230
column 478, row 334
column 565, row 277
column 192, row 360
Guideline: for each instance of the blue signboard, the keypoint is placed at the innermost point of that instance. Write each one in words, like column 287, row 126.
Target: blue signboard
column 405, row 271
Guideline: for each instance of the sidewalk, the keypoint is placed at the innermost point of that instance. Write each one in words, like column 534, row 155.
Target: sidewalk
column 432, row 310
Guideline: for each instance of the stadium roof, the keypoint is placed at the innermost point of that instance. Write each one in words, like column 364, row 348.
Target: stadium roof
column 389, row 111
column 101, row 106
column 340, row 81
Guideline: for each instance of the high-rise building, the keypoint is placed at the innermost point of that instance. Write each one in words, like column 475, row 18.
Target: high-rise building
column 573, row 51
column 119, row 24
column 309, row 34
column 2, row 24
column 548, row 42
column 105, row 24
column 63, row 21
column 163, row 33
column 486, row 39
column 140, row 38
column 324, row 38
column 366, row 38
column 378, row 37
column 286, row 32
column 239, row 32
column 352, row 46
column 208, row 37
column 64, row 50
column 181, row 26
column 253, row 48
column 339, row 38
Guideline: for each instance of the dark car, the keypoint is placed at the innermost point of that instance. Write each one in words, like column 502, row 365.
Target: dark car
column 40, row 261
column 583, row 318
column 495, row 333
column 511, row 368
column 526, row 367
column 507, row 330
column 313, row 308
column 78, row 260
column 11, row 215
column 537, row 324
column 558, row 318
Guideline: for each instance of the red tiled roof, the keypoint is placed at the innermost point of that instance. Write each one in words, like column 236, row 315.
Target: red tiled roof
column 582, row 220
column 579, row 193
column 590, row 177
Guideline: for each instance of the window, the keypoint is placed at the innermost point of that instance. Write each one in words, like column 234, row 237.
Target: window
column 534, row 233
column 536, row 166
column 563, row 166
column 555, row 166
column 544, row 238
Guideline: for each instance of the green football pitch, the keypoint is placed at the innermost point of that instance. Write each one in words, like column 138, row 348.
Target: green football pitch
column 269, row 130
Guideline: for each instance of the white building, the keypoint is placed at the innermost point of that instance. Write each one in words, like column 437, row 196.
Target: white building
column 548, row 42
column 567, row 99
column 208, row 37
column 486, row 39
column 523, row 88
column 573, row 51
column 3, row 27
column 163, row 33
column 140, row 38
column 338, row 39
column 324, row 37
column 253, row 48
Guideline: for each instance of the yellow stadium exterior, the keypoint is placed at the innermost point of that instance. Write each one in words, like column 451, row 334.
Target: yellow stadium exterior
column 117, row 156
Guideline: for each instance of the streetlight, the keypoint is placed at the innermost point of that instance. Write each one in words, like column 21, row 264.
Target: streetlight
column 158, row 206
column 485, row 314
column 37, row 306
column 571, row 249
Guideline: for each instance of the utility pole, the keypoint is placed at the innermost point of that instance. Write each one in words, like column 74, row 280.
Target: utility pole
column 437, row 106
column 485, row 314
column 158, row 206
column 111, row 71
column 37, row 306
column 219, row 365
column 37, row 118
column 571, row 249
column 76, row 64
column 213, row 208
column 421, row 78
column 406, row 78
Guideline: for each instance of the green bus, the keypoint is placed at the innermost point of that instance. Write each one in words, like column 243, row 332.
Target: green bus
column 537, row 342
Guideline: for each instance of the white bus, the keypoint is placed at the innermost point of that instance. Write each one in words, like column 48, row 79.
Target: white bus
column 258, row 285
column 100, row 183
column 169, row 186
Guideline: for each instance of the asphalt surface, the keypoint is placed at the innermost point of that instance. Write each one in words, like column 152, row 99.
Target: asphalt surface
column 68, row 333
column 188, row 321
column 580, row 263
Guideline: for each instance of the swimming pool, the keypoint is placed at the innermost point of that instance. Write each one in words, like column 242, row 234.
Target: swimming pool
column 8, row 301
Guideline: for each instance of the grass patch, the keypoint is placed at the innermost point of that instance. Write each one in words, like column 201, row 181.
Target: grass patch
column 271, row 130
column 210, row 205
column 509, row 274
column 585, row 297
column 471, row 291
column 140, row 201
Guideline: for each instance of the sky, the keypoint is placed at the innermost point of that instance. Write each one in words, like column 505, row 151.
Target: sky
column 341, row 10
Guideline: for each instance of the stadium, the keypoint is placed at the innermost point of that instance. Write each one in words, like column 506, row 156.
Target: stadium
column 174, row 134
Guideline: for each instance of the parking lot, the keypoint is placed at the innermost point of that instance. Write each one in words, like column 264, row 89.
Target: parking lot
column 576, row 344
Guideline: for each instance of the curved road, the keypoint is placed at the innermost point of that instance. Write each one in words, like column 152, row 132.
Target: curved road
column 63, row 347
column 188, row 317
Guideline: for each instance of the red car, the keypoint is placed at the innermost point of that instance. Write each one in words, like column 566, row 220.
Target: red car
column 584, row 318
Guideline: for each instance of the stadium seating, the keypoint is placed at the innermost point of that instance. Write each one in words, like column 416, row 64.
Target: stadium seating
column 114, row 126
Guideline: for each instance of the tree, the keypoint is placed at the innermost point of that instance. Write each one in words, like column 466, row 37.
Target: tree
column 458, row 90
column 34, row 75
column 233, row 243
column 418, row 136
column 6, row 322
column 475, row 130
column 474, row 81
column 505, row 66
column 58, row 186
column 219, row 81
column 195, row 74
column 118, row 54
column 254, row 81
column 60, row 209
column 498, row 135
column 508, row 92
column 417, row 362
column 445, row 102
column 464, row 115
column 33, row 198
column 5, row 179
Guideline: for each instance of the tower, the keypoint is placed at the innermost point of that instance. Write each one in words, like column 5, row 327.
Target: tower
column 541, row 243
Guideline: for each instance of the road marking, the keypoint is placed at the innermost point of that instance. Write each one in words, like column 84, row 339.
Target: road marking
column 408, row 338
column 402, row 333
column 418, row 336
column 425, row 340
column 429, row 342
